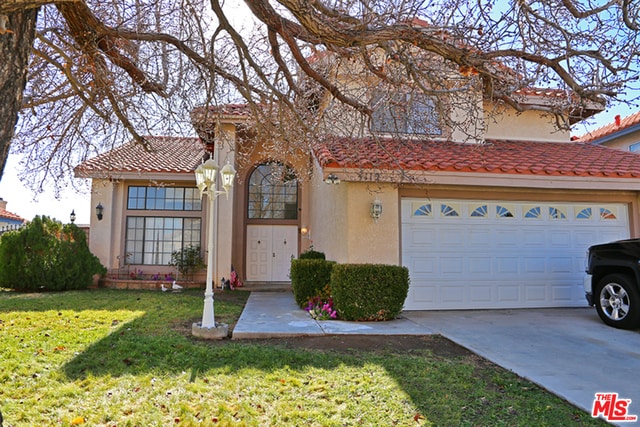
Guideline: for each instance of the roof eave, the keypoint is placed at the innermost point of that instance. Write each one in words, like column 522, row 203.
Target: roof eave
column 483, row 179
column 113, row 175
column 616, row 134
column 576, row 112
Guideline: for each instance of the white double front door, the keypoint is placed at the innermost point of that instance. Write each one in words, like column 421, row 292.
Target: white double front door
column 270, row 249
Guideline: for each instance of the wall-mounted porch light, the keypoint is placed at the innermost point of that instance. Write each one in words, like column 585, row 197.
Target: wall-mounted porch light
column 376, row 209
column 99, row 210
column 332, row 178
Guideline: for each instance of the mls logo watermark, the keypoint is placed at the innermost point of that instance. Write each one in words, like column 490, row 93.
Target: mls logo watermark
column 611, row 408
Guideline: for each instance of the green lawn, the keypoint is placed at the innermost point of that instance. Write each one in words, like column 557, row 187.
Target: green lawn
column 126, row 358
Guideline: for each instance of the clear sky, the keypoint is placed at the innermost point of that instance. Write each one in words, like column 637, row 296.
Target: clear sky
column 20, row 199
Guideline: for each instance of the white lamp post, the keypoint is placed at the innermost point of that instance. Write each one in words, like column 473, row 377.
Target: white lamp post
column 206, row 175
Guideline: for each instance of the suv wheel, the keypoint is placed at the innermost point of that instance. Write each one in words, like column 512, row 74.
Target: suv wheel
column 617, row 302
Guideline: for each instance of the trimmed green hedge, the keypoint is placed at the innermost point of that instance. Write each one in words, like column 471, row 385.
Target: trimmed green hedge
column 311, row 254
column 365, row 292
column 309, row 277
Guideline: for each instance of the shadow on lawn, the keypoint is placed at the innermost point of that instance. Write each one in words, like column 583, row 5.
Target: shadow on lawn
column 428, row 375
column 131, row 350
column 159, row 342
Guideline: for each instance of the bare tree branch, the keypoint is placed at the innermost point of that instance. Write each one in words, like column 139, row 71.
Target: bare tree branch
column 105, row 71
column 13, row 6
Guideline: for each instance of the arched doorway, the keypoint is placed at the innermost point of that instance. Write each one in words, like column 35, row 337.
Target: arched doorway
column 272, row 222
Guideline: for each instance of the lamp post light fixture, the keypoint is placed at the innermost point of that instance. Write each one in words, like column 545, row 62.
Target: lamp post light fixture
column 72, row 216
column 206, row 175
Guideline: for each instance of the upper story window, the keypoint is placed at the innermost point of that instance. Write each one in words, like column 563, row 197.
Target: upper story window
column 635, row 148
column 164, row 198
column 273, row 192
column 406, row 113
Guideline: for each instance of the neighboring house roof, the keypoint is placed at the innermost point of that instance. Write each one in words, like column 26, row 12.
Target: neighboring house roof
column 493, row 157
column 177, row 155
column 619, row 127
column 6, row 215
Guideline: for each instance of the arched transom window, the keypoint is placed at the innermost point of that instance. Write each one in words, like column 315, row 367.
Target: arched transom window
column 273, row 192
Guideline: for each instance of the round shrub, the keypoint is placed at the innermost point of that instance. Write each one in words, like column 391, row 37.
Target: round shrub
column 309, row 277
column 312, row 254
column 365, row 292
column 46, row 255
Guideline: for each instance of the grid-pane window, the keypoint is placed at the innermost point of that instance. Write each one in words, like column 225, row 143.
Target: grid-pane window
column 273, row 193
column 164, row 198
column 406, row 113
column 151, row 240
column 136, row 198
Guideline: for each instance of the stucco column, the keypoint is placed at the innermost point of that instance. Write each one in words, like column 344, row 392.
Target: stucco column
column 223, row 214
column 105, row 238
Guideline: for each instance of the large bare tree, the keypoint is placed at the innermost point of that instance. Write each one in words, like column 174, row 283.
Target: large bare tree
column 104, row 71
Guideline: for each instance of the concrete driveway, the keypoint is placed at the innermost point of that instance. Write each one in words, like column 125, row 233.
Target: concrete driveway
column 570, row 352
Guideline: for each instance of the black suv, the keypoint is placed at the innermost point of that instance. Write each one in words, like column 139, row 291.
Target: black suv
column 612, row 283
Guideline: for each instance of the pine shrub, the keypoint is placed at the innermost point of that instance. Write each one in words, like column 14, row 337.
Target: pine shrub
column 47, row 255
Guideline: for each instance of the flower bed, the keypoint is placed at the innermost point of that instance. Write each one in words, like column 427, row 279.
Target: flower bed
column 154, row 285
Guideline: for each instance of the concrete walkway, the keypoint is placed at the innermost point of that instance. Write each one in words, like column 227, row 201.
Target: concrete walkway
column 569, row 352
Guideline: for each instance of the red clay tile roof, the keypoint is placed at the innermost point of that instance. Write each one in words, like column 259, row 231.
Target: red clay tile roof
column 10, row 215
column 167, row 155
column 182, row 155
column 611, row 128
column 496, row 157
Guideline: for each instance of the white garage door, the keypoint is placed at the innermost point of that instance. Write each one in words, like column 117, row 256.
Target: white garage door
column 476, row 254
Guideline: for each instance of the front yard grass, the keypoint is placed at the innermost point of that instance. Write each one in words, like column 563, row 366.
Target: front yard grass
column 126, row 358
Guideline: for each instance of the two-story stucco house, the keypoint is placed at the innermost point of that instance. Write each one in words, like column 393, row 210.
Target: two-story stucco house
column 497, row 216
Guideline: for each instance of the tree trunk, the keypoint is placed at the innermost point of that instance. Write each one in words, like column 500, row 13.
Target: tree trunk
column 15, row 46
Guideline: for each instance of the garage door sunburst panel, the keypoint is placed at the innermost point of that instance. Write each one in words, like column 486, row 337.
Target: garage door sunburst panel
column 423, row 210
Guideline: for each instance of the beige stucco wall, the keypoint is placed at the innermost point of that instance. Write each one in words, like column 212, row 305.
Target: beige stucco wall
column 623, row 142
column 103, row 243
column 326, row 218
column 467, row 118
column 463, row 124
column 506, row 123
column 342, row 227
